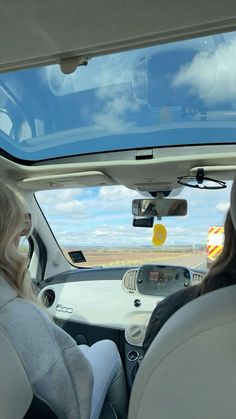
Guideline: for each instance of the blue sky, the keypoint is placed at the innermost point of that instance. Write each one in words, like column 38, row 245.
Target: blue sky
column 102, row 216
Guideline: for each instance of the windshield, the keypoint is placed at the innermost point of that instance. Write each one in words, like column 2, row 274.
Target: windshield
column 98, row 221
column 174, row 94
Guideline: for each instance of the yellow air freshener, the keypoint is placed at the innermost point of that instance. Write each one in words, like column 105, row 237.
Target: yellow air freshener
column 159, row 234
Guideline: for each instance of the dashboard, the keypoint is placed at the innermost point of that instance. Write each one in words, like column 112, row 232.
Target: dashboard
column 115, row 298
column 113, row 303
column 162, row 280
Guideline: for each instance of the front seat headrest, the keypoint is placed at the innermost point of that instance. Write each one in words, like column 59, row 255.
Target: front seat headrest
column 189, row 371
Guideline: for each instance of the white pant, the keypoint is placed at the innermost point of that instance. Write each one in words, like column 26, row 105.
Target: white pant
column 106, row 364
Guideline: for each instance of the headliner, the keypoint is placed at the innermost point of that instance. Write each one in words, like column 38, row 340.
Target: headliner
column 34, row 33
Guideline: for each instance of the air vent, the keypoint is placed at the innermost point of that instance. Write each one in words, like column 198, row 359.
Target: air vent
column 197, row 278
column 48, row 297
column 129, row 280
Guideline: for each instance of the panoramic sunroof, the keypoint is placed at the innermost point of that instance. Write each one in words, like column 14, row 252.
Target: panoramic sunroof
column 175, row 94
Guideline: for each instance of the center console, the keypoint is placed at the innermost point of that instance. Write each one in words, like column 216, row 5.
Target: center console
column 134, row 336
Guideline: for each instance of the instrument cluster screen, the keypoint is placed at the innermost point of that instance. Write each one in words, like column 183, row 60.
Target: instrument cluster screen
column 161, row 280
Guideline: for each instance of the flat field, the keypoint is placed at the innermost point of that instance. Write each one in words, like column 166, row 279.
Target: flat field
column 132, row 257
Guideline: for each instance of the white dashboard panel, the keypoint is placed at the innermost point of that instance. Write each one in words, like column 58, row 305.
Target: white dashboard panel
column 101, row 303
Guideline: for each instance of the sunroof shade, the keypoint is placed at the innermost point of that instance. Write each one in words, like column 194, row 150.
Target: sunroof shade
column 177, row 94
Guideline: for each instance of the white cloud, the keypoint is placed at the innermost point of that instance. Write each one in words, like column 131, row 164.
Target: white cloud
column 128, row 236
column 109, row 121
column 116, row 199
column 102, row 231
column 62, row 202
column 78, row 203
column 211, row 75
column 115, row 193
column 101, row 71
column 106, row 235
column 55, row 196
column 106, row 204
column 223, row 206
column 117, row 103
column 178, row 231
column 70, row 207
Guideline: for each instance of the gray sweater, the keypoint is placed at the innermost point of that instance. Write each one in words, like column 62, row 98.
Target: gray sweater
column 57, row 370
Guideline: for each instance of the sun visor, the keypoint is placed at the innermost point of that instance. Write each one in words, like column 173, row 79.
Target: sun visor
column 67, row 180
column 225, row 172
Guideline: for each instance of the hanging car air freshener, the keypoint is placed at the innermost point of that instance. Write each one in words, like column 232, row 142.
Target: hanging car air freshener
column 159, row 234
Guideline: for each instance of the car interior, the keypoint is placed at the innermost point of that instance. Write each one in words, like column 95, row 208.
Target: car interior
column 106, row 104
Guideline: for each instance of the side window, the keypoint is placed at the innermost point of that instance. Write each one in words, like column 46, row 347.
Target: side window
column 25, row 246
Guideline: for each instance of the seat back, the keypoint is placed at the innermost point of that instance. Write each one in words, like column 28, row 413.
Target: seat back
column 15, row 390
column 16, row 397
column 190, row 368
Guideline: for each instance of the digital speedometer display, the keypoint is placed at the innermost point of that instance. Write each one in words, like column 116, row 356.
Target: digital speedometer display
column 162, row 280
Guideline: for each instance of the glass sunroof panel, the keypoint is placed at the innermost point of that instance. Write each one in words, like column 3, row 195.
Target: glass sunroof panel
column 181, row 93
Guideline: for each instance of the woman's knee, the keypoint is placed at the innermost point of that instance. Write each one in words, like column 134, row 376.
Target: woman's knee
column 108, row 348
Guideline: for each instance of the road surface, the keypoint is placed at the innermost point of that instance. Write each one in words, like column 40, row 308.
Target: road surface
column 197, row 261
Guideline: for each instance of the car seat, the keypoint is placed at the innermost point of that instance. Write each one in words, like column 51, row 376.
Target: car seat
column 190, row 368
column 16, row 397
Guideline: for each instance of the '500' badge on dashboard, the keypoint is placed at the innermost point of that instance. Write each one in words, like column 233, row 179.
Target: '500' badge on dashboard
column 64, row 309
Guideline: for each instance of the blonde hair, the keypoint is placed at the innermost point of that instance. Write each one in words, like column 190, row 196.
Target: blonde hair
column 13, row 263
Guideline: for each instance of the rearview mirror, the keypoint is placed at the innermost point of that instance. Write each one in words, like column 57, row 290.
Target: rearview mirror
column 159, row 207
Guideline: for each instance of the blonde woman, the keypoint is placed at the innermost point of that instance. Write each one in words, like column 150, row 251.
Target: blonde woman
column 72, row 380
